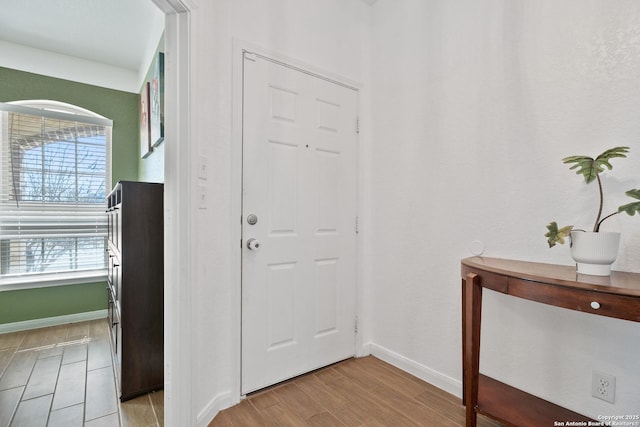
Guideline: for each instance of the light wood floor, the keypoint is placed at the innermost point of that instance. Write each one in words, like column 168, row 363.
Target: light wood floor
column 64, row 376
column 365, row 392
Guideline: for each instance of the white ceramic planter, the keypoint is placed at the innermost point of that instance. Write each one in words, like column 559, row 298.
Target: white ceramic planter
column 594, row 252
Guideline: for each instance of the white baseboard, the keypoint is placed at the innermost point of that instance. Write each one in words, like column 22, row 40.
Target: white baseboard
column 446, row 383
column 365, row 350
column 52, row 321
column 438, row 379
column 217, row 404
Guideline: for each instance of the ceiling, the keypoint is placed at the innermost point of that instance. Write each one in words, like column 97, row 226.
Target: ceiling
column 118, row 33
column 104, row 42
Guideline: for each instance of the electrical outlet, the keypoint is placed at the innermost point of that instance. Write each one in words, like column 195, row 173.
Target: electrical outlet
column 603, row 386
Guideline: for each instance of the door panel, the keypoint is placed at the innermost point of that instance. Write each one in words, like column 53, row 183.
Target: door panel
column 299, row 180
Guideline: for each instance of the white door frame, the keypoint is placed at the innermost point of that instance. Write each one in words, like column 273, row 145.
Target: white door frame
column 178, row 217
column 239, row 47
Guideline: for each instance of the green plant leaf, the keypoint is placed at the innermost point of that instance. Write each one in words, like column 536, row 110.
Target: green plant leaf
column 633, row 207
column 589, row 167
column 557, row 235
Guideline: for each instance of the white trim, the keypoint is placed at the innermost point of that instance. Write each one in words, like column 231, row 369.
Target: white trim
column 217, row 404
column 239, row 47
column 366, row 350
column 436, row 378
column 178, row 218
column 365, row 233
column 52, row 321
column 306, row 70
column 54, row 279
column 271, row 55
column 236, row 214
column 56, row 110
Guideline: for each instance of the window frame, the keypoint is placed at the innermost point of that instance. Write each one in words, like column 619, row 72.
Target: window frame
column 66, row 112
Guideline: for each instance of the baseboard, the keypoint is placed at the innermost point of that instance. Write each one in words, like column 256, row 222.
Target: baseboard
column 365, row 350
column 217, row 404
column 446, row 383
column 52, row 321
column 438, row 379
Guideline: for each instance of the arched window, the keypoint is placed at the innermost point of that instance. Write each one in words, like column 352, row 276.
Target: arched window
column 55, row 172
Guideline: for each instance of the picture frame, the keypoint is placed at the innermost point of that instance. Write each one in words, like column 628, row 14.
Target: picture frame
column 156, row 100
column 145, row 123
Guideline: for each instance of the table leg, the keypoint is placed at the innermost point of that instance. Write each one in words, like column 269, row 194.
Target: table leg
column 464, row 347
column 472, row 310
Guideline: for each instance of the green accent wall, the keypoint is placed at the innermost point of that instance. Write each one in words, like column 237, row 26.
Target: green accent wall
column 122, row 108
column 39, row 303
column 119, row 106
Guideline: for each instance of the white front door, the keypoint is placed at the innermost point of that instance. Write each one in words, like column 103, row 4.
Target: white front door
column 299, row 204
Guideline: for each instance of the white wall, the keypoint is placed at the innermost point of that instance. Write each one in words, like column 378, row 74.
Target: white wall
column 331, row 35
column 151, row 169
column 67, row 67
column 467, row 109
column 474, row 103
column 61, row 66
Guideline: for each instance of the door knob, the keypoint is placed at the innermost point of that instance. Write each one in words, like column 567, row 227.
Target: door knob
column 253, row 244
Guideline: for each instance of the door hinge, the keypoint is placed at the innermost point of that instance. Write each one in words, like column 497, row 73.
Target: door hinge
column 358, row 124
column 357, row 225
column 355, row 324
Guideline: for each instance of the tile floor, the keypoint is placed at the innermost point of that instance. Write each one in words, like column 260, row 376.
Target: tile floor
column 64, row 376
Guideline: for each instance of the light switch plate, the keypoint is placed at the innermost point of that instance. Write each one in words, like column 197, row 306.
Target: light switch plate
column 202, row 196
column 202, row 167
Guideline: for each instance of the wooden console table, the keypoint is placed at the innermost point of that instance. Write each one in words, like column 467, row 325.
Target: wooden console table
column 616, row 296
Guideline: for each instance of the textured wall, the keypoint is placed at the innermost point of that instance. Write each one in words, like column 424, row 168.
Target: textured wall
column 474, row 104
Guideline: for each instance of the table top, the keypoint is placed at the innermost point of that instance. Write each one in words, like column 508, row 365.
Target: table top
column 619, row 282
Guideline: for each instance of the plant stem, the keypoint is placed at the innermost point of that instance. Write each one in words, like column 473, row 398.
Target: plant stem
column 608, row 216
column 596, row 227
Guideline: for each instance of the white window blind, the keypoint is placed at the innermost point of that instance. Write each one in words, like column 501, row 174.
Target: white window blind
column 54, row 175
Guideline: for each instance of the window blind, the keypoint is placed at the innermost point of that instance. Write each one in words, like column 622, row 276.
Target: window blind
column 54, row 176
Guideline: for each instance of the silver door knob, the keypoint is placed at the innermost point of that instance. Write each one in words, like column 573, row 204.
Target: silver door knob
column 253, row 244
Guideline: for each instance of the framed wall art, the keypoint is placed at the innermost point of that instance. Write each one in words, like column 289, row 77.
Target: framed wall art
column 157, row 100
column 145, row 124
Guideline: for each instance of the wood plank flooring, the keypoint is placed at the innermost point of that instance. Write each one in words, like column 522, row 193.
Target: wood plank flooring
column 365, row 392
column 64, row 376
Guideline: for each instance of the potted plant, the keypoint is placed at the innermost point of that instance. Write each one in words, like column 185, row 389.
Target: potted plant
column 594, row 251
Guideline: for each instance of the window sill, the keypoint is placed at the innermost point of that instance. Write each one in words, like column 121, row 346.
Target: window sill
column 50, row 280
